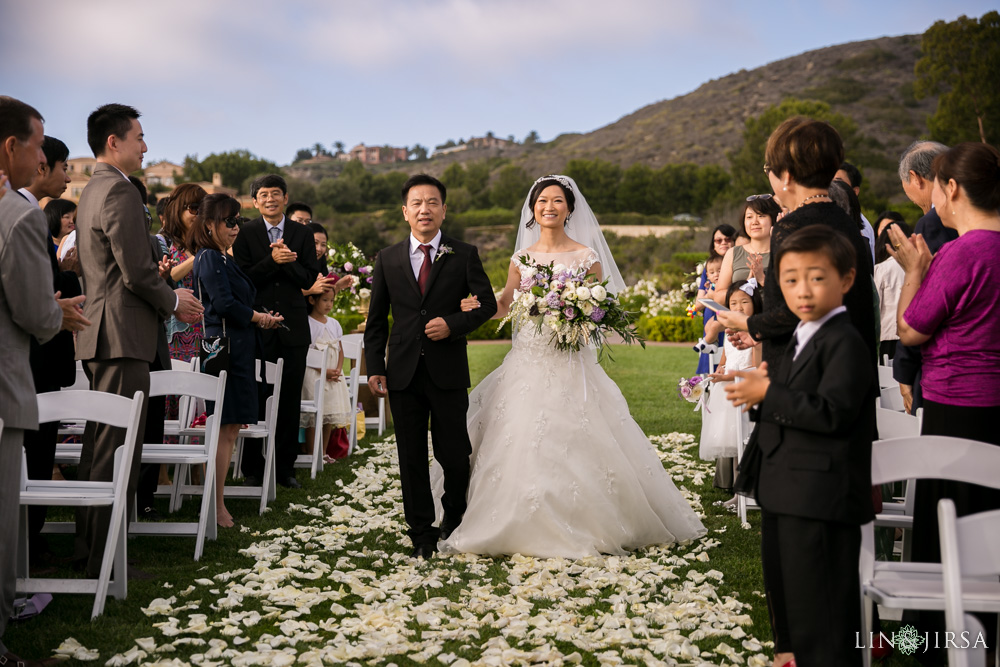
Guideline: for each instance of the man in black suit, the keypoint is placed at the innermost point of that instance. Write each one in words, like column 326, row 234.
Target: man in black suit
column 423, row 280
column 917, row 179
column 280, row 258
column 814, row 459
column 52, row 364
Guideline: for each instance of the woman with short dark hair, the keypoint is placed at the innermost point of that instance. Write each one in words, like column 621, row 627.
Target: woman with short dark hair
column 948, row 307
column 801, row 159
column 228, row 295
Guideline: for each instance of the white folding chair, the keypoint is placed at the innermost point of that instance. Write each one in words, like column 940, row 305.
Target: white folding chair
column 315, row 359
column 891, row 399
column 353, row 346
column 192, row 386
column 897, row 585
column 899, row 513
column 379, row 420
column 263, row 430
column 970, row 564
column 104, row 408
column 885, row 378
column 75, row 427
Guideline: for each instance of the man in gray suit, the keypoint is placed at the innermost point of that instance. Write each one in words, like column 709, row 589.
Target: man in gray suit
column 125, row 296
column 27, row 309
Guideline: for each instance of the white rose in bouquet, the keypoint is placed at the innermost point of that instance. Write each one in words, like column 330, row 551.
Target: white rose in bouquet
column 696, row 392
column 569, row 294
column 558, row 268
column 598, row 292
column 582, row 293
column 587, row 308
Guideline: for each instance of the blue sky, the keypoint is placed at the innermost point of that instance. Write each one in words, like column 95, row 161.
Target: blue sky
column 273, row 77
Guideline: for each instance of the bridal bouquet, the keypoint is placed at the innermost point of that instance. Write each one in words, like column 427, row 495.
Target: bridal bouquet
column 694, row 389
column 575, row 308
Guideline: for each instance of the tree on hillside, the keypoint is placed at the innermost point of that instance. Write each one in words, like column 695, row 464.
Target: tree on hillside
column 511, row 185
column 636, row 192
column 234, row 166
column 453, row 176
column 418, row 153
column 531, row 139
column 302, row 154
column 342, row 194
column 961, row 62
column 476, row 181
column 598, row 180
column 319, row 149
column 747, row 163
column 339, row 146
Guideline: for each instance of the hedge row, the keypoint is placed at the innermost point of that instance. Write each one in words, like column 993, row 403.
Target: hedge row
column 664, row 328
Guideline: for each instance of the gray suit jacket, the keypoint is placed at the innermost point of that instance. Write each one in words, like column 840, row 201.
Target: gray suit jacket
column 26, row 306
column 125, row 293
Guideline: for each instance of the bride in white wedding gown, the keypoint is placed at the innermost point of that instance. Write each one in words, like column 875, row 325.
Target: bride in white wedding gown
column 559, row 467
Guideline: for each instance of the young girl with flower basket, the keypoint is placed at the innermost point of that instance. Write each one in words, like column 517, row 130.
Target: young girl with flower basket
column 718, row 416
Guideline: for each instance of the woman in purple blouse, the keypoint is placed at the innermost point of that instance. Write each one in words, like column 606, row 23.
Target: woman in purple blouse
column 948, row 306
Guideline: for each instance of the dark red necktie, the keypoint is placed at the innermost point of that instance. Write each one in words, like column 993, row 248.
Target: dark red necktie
column 425, row 268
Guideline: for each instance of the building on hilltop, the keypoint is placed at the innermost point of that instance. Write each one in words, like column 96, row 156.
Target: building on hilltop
column 475, row 143
column 374, row 154
column 162, row 173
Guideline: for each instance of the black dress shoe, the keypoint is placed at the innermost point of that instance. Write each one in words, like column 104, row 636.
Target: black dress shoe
column 424, row 551
column 150, row 514
column 252, row 480
column 290, row 482
column 448, row 527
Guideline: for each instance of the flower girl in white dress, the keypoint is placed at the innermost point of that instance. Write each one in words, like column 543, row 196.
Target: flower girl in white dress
column 719, row 417
column 559, row 467
column 326, row 334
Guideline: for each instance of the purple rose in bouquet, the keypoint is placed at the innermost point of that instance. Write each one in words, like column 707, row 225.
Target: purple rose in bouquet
column 569, row 312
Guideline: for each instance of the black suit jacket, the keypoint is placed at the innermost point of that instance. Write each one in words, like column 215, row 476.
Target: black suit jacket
column 53, row 363
column 279, row 286
column 453, row 277
column 815, row 429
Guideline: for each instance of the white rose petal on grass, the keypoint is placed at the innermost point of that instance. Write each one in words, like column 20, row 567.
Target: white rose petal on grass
column 651, row 600
column 74, row 650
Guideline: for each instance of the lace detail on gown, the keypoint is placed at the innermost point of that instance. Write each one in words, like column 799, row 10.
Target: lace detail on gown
column 559, row 467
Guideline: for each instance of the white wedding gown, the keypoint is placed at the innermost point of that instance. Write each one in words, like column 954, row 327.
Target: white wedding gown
column 559, row 467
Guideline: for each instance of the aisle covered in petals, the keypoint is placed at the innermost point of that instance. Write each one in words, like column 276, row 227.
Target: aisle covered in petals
column 335, row 586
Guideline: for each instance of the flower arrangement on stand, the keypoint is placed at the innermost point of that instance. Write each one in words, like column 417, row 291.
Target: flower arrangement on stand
column 347, row 259
column 575, row 308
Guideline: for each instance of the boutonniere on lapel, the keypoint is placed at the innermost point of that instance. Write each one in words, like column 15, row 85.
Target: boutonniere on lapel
column 443, row 250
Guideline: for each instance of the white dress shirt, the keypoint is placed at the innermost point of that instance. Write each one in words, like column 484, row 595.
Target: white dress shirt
column 417, row 255
column 30, row 197
column 806, row 330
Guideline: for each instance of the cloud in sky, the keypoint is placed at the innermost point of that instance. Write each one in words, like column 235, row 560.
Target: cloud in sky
column 214, row 75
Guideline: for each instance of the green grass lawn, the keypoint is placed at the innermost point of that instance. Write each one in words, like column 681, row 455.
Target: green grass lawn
column 647, row 379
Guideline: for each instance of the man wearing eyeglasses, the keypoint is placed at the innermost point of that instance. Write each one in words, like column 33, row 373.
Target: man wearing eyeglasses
column 279, row 257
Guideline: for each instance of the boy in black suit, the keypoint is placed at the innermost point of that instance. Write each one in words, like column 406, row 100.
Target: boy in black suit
column 815, row 436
